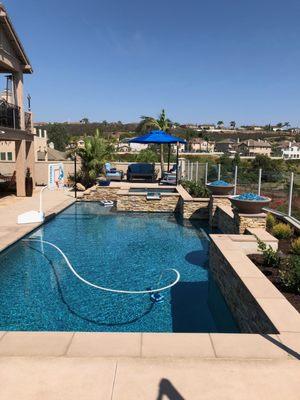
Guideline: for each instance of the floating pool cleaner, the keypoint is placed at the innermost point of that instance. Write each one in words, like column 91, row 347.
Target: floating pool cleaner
column 157, row 297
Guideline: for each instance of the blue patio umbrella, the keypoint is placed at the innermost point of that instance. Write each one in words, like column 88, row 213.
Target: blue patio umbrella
column 159, row 137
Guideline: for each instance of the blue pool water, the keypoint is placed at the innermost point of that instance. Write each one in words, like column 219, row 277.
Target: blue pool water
column 121, row 251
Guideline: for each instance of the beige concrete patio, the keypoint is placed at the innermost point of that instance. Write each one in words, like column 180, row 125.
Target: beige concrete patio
column 12, row 206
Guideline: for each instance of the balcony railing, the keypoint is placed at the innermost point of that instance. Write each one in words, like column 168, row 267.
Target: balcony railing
column 9, row 115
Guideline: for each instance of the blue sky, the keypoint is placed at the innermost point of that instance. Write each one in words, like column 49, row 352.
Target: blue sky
column 203, row 61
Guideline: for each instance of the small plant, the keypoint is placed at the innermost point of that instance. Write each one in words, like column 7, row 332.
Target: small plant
column 195, row 189
column 282, row 231
column 271, row 221
column 270, row 256
column 296, row 246
column 290, row 274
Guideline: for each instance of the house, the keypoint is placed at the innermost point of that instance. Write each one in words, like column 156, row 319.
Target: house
column 16, row 125
column 291, row 151
column 255, row 147
column 201, row 145
column 226, row 146
column 8, row 151
column 126, row 147
column 207, row 127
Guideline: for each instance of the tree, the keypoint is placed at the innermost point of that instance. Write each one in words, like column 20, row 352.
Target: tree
column 220, row 124
column 85, row 121
column 233, row 124
column 95, row 153
column 147, row 155
column 161, row 124
column 57, row 133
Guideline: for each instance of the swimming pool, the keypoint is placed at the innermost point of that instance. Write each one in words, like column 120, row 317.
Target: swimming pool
column 125, row 251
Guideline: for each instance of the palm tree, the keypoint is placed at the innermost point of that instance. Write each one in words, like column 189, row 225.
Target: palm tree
column 220, row 123
column 95, row 153
column 162, row 124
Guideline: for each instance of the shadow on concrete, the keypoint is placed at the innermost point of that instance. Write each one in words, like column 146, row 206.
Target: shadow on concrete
column 282, row 346
column 167, row 390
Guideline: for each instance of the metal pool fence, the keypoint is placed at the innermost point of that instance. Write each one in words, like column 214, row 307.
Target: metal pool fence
column 282, row 187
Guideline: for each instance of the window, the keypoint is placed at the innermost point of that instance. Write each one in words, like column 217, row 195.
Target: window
column 9, row 156
column 2, row 156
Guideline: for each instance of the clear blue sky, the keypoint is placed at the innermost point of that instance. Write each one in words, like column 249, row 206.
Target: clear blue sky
column 203, row 61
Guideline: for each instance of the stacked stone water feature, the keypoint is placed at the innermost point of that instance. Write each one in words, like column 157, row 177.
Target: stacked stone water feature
column 235, row 214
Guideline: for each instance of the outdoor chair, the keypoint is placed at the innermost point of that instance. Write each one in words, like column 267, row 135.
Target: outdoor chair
column 112, row 173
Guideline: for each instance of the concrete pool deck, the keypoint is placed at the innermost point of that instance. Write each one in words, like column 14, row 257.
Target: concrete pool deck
column 59, row 365
column 12, row 206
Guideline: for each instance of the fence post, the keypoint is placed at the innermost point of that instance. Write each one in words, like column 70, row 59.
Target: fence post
column 206, row 173
column 259, row 181
column 235, row 179
column 197, row 171
column 291, row 194
column 219, row 172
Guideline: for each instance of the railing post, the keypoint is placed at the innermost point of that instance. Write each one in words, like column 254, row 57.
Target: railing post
column 291, row 194
column 219, row 172
column 197, row 171
column 206, row 173
column 191, row 171
column 259, row 181
column 235, row 179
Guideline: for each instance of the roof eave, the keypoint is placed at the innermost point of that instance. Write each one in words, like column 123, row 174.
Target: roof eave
column 27, row 68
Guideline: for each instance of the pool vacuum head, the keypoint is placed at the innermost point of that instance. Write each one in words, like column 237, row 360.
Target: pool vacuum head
column 157, row 297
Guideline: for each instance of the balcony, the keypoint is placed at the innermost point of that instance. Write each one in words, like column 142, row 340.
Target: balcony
column 9, row 115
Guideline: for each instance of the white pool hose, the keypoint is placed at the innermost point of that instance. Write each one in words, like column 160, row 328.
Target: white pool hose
column 101, row 287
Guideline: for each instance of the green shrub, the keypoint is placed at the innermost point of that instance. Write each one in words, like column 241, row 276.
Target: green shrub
column 282, row 231
column 296, row 246
column 290, row 274
column 270, row 256
column 271, row 221
column 195, row 189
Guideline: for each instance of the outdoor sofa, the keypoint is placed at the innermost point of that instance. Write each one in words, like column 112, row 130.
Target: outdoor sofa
column 141, row 171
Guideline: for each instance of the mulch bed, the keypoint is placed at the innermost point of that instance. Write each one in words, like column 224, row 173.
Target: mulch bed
column 273, row 275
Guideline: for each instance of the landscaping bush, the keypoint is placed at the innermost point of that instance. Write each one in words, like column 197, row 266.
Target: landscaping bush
column 271, row 221
column 270, row 256
column 290, row 274
column 195, row 189
column 296, row 246
column 282, row 231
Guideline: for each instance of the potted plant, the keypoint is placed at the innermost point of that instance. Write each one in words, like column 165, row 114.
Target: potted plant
column 220, row 188
column 28, row 183
column 249, row 203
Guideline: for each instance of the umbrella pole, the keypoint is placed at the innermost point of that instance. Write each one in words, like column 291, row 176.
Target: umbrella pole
column 169, row 157
column 177, row 164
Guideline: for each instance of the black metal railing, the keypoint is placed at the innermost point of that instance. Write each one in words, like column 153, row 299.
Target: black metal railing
column 9, row 115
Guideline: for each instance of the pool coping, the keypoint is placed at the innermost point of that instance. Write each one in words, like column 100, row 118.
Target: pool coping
column 28, row 228
column 284, row 345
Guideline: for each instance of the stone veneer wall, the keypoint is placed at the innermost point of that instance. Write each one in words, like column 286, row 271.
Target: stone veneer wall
column 97, row 193
column 139, row 203
column 244, row 221
column 225, row 220
column 247, row 312
column 194, row 209
column 214, row 203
